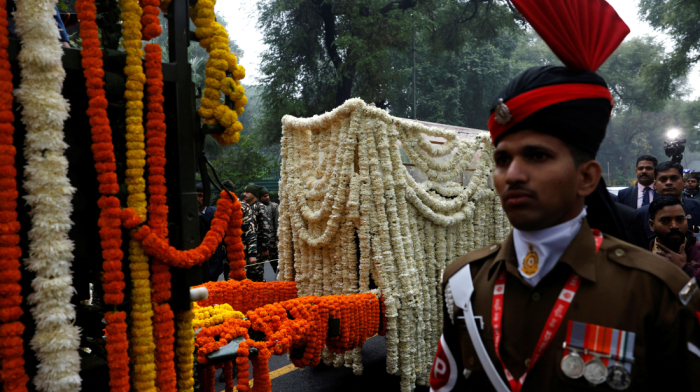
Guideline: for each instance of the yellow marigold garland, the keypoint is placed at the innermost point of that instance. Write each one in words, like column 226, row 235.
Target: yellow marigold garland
column 142, row 346
column 208, row 316
column 214, row 38
column 184, row 351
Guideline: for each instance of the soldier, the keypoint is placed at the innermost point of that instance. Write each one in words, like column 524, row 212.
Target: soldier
column 263, row 230
column 274, row 217
column 249, row 238
column 563, row 305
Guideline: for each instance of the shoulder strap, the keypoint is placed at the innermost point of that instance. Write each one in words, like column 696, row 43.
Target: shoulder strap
column 462, row 290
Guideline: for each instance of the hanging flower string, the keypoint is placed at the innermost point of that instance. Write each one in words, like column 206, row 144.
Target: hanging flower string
column 110, row 211
column 214, row 38
column 184, row 351
column 12, row 374
column 142, row 345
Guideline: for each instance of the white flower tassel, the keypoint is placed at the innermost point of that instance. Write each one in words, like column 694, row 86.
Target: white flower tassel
column 49, row 194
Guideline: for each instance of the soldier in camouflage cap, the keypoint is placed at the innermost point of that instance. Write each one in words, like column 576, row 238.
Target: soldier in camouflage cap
column 263, row 230
column 249, row 237
column 274, row 217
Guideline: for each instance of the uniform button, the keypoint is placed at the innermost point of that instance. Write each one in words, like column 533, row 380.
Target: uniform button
column 527, row 362
column 619, row 252
column 494, row 247
column 536, row 296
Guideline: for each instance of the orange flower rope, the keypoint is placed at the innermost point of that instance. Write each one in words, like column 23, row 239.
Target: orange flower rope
column 247, row 295
column 163, row 323
column 110, row 211
column 12, row 374
column 149, row 20
column 359, row 316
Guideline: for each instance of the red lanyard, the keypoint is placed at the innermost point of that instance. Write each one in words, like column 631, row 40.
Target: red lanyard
column 556, row 316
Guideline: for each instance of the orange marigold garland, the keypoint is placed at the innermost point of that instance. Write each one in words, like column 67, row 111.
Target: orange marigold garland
column 163, row 323
column 359, row 316
column 149, row 19
column 12, row 374
column 110, row 211
column 248, row 295
column 234, row 243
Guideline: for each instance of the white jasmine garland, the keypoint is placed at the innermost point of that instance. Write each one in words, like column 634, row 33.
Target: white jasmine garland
column 44, row 110
column 342, row 179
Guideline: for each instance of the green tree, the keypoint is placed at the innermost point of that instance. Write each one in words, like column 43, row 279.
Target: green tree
column 678, row 19
column 323, row 52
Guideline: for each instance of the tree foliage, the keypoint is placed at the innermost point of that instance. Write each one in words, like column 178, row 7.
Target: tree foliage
column 323, row 52
column 678, row 19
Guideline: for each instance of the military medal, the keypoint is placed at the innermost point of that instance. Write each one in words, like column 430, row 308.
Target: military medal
column 531, row 262
column 595, row 371
column 619, row 378
column 572, row 365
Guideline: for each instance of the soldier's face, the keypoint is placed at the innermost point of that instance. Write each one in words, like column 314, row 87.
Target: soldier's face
column 249, row 197
column 671, row 225
column 692, row 183
column 265, row 198
column 538, row 181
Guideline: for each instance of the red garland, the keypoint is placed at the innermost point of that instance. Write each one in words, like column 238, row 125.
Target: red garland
column 234, row 243
column 110, row 209
column 149, row 19
column 12, row 375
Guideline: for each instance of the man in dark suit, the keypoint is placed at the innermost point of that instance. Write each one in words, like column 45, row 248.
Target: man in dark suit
column 643, row 193
column 669, row 182
column 692, row 191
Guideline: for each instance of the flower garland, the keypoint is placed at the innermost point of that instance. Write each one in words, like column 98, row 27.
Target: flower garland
column 142, row 345
column 307, row 328
column 213, row 315
column 214, row 38
column 110, row 211
column 12, row 373
column 408, row 232
column 184, row 351
column 56, row 338
column 247, row 295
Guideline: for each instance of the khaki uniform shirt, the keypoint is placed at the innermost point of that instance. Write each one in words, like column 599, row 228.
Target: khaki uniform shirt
column 622, row 287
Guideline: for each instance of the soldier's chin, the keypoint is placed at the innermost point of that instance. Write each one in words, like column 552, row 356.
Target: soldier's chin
column 527, row 219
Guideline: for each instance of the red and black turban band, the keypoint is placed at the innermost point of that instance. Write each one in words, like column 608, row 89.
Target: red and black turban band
column 572, row 103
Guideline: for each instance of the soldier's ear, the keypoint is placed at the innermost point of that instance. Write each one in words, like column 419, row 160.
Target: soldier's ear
column 589, row 175
column 651, row 225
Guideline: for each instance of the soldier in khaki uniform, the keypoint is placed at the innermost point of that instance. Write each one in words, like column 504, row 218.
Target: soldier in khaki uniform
column 562, row 304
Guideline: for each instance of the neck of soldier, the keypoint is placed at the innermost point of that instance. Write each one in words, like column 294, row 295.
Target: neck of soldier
column 252, row 200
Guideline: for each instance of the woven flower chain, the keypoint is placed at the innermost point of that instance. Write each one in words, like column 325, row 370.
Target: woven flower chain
column 214, row 38
column 184, row 351
column 248, row 295
column 306, row 329
column 209, row 316
column 12, row 374
column 110, row 220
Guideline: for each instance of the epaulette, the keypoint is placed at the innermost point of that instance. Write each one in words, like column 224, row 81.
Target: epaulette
column 631, row 256
column 473, row 256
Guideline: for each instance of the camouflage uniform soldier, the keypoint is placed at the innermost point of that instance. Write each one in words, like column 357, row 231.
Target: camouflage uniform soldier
column 249, row 237
column 274, row 219
column 263, row 230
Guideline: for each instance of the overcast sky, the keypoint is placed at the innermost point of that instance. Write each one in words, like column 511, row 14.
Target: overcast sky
column 242, row 17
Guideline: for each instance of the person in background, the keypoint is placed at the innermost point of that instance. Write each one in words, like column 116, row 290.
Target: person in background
column 669, row 182
column 263, row 230
column 249, row 237
column 691, row 189
column 641, row 194
column 212, row 268
column 274, row 217
column 671, row 238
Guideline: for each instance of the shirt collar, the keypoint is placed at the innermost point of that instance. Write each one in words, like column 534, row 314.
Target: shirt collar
column 641, row 187
column 580, row 255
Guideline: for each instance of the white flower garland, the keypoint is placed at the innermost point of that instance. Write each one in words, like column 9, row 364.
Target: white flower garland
column 342, row 179
column 49, row 195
